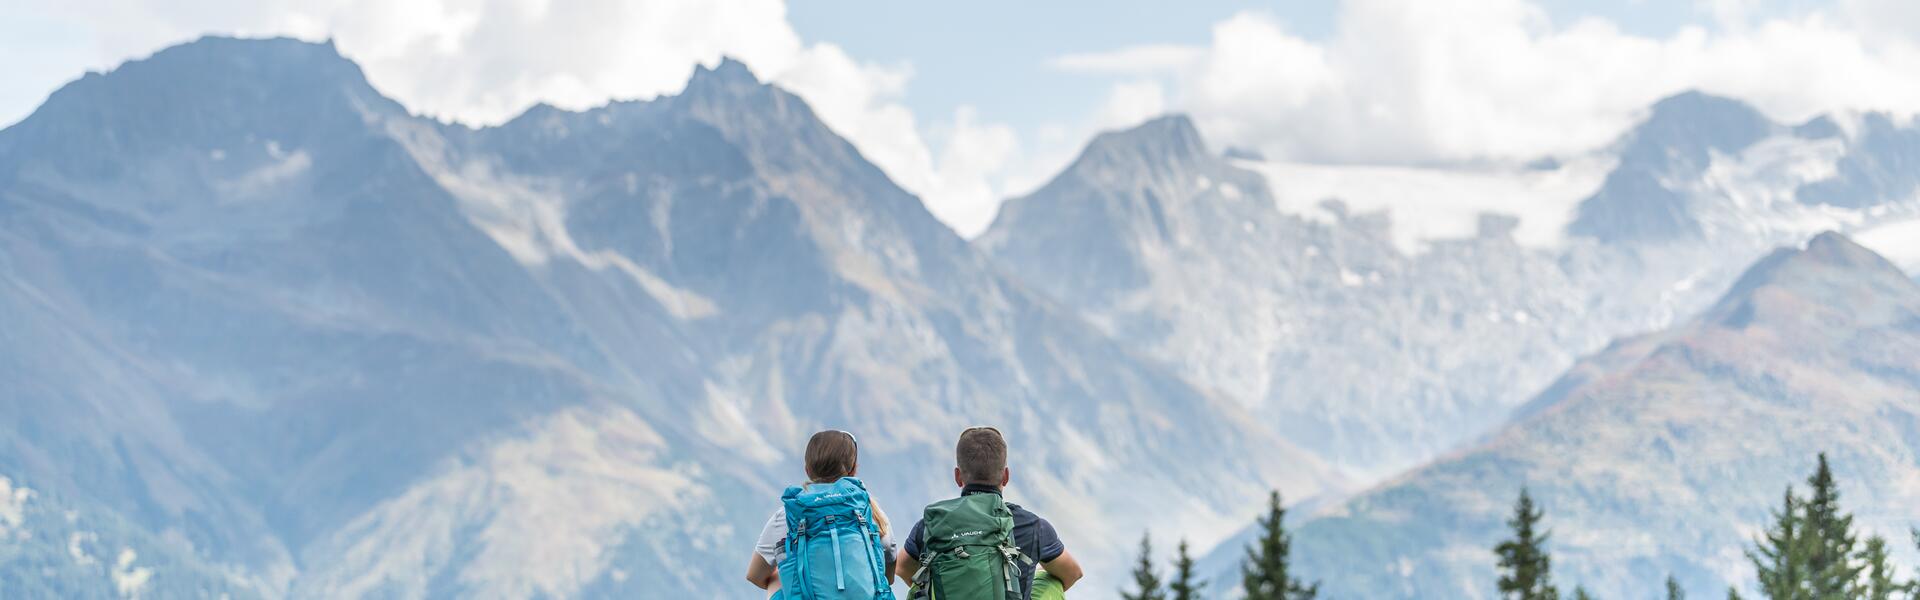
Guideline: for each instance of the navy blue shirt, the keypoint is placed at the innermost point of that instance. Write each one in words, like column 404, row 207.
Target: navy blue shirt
column 1034, row 535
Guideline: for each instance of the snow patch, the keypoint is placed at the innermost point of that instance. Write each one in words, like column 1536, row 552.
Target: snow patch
column 13, row 505
column 129, row 580
column 1761, row 185
column 725, row 423
column 1351, row 279
column 256, row 182
column 1427, row 204
column 77, row 543
column 530, row 223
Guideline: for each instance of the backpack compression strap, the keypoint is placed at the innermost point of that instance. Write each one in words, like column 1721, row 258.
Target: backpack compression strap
column 923, row 577
column 871, row 531
column 1014, row 563
column 798, row 542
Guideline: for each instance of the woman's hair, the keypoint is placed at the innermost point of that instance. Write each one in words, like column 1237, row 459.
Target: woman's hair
column 833, row 454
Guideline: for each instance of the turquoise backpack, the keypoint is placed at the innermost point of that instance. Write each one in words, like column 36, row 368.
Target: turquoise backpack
column 833, row 547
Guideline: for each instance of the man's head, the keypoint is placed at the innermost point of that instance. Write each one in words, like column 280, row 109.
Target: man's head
column 981, row 457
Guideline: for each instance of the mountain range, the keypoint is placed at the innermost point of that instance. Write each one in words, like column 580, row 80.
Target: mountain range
column 1663, row 453
column 1295, row 309
column 265, row 333
column 280, row 331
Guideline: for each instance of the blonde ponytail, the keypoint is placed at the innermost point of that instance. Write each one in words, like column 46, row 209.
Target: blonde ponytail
column 880, row 518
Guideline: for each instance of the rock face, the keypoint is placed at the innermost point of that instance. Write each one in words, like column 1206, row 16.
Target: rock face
column 1677, row 142
column 1664, row 452
column 1379, row 357
column 302, row 343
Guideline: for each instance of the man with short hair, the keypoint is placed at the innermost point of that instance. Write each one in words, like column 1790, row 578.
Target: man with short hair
column 981, row 468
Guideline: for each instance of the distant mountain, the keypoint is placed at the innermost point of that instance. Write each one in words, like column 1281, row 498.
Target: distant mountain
column 1664, row 452
column 1678, row 141
column 1379, row 355
column 1703, row 167
column 1319, row 323
column 286, row 333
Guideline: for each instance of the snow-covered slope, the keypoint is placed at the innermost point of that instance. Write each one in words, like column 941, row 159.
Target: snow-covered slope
column 1320, row 321
column 1381, row 315
column 1664, row 452
column 260, row 311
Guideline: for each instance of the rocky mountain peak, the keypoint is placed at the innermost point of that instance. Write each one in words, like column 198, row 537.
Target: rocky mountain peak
column 1830, row 281
column 1167, row 141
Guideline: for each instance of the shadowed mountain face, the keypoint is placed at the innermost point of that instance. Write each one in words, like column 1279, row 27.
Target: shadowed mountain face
column 1664, row 452
column 1679, row 139
column 1705, row 167
column 264, row 324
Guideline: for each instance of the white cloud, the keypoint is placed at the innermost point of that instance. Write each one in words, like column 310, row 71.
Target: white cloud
column 1131, row 102
column 1468, row 80
column 484, row 61
column 973, row 158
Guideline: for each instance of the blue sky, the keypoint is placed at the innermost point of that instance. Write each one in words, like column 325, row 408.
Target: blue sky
column 967, row 104
column 991, row 54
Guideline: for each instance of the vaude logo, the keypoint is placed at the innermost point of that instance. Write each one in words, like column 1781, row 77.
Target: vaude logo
column 966, row 534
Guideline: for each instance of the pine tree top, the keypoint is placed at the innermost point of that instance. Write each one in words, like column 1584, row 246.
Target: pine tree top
column 1145, row 580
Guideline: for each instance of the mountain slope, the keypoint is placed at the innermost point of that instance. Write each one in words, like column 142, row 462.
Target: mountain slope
column 337, row 349
column 1664, row 452
column 1300, row 316
column 1379, row 354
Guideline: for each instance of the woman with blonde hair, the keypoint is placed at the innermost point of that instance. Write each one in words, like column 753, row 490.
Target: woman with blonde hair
column 828, row 540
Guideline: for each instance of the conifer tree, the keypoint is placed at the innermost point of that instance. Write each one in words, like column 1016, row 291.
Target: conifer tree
column 1580, row 593
column 1877, row 582
column 1673, row 589
column 1832, row 545
column 1780, row 555
column 1183, row 587
column 1146, row 582
column 1733, row 594
column 1265, row 573
column 1526, row 569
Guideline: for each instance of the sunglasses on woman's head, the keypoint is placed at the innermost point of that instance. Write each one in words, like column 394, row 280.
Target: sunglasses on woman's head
column 849, row 434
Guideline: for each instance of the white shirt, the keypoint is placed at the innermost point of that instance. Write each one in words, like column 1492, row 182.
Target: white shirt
column 772, row 550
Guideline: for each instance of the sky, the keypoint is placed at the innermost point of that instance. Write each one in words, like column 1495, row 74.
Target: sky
column 967, row 104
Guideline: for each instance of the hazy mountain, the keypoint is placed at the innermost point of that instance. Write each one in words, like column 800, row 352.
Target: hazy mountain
column 1679, row 140
column 1411, row 310
column 1665, row 451
column 283, row 329
column 1319, row 322
column 1704, row 168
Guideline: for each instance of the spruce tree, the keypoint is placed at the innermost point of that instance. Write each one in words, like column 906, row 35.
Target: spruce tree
column 1184, row 587
column 1733, row 594
column 1832, row 545
column 1526, row 569
column 1145, row 581
column 1780, row 555
column 1877, row 582
column 1580, row 593
column 1673, row 589
column 1264, row 575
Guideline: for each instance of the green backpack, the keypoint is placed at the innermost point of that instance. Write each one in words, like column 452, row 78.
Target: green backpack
column 968, row 551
